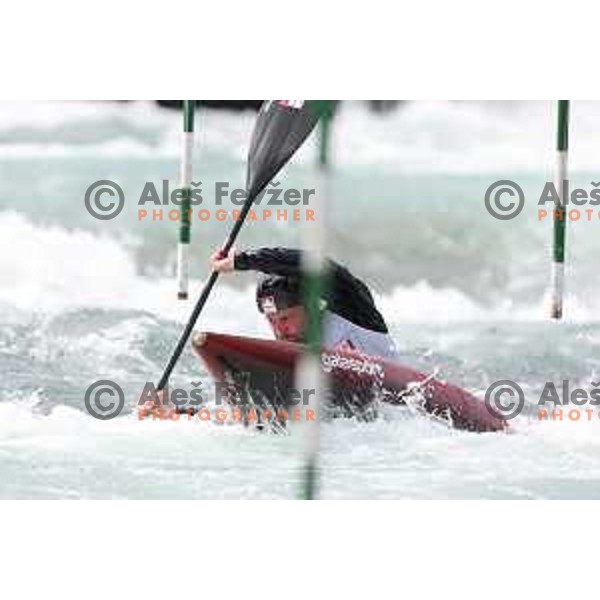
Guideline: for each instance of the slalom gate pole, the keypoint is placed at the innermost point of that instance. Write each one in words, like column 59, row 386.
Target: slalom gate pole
column 325, row 134
column 309, row 375
column 183, row 258
column 561, row 179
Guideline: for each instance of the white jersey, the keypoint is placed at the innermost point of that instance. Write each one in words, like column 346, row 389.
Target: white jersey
column 338, row 331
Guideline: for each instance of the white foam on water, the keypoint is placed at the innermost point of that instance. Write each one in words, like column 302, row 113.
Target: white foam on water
column 52, row 269
column 426, row 136
column 463, row 137
column 422, row 303
column 131, row 130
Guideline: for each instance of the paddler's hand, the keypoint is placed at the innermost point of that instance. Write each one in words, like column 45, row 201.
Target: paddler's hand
column 145, row 409
column 222, row 264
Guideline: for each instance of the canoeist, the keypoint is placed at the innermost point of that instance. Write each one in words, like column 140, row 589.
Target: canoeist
column 350, row 318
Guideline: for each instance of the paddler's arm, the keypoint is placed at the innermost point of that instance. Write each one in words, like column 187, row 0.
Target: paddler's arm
column 275, row 261
column 346, row 295
column 272, row 261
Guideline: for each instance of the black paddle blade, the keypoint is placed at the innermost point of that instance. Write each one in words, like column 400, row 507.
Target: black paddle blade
column 281, row 128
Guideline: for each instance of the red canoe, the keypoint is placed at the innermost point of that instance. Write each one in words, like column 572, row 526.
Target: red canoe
column 358, row 382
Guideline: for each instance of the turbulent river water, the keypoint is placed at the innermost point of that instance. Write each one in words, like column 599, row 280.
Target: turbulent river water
column 83, row 299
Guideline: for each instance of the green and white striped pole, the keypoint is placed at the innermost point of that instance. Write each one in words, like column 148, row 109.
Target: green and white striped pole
column 325, row 134
column 310, row 375
column 561, row 177
column 183, row 259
